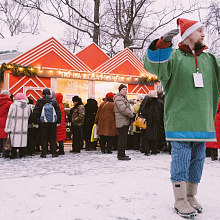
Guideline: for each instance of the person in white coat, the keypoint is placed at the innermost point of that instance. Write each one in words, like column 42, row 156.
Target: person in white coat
column 17, row 125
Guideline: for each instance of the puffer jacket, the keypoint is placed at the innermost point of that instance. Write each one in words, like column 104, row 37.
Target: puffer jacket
column 61, row 129
column 217, row 129
column 17, row 123
column 5, row 103
column 123, row 113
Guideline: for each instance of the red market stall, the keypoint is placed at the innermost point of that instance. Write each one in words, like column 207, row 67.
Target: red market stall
column 89, row 72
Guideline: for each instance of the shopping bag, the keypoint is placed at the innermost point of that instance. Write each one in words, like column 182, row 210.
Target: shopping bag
column 95, row 131
column 141, row 122
column 7, row 145
column 94, row 136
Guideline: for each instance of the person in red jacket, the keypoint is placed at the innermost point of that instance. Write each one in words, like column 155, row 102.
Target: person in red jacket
column 5, row 103
column 61, row 129
column 214, row 146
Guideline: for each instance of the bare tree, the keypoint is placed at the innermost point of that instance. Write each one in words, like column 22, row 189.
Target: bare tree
column 58, row 9
column 73, row 38
column 18, row 19
column 212, row 23
column 111, row 24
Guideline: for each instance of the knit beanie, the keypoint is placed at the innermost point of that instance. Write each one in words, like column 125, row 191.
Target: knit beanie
column 20, row 96
column 5, row 92
column 109, row 95
column 121, row 87
column 46, row 91
column 187, row 27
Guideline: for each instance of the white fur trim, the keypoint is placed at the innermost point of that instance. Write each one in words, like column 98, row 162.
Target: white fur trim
column 190, row 30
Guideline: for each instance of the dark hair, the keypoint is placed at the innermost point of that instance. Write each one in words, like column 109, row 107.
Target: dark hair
column 12, row 97
column 30, row 101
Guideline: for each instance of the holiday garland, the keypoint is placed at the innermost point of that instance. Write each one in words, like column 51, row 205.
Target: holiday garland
column 16, row 70
column 147, row 79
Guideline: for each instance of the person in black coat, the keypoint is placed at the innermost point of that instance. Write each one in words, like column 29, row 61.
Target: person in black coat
column 141, row 146
column 153, row 112
column 47, row 130
column 91, row 108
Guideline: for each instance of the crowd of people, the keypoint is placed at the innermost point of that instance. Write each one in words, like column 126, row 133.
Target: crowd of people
column 115, row 119
column 41, row 128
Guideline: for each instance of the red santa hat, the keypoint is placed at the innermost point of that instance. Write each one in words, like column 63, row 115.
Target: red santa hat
column 187, row 27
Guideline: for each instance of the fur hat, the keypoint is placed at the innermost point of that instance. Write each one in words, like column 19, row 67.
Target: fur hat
column 20, row 96
column 152, row 94
column 187, row 27
column 121, row 87
column 46, row 91
column 109, row 95
column 5, row 92
column 140, row 97
column 91, row 97
column 76, row 99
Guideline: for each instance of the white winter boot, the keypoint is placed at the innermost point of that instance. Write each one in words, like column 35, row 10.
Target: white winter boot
column 191, row 193
column 181, row 205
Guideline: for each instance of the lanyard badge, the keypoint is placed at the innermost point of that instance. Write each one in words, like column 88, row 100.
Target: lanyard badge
column 198, row 79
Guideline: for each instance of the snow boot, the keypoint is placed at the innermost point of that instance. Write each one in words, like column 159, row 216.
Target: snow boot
column 61, row 150
column 191, row 193
column 181, row 205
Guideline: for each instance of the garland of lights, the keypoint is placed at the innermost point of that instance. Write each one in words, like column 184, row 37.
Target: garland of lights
column 19, row 70
column 147, row 79
column 16, row 70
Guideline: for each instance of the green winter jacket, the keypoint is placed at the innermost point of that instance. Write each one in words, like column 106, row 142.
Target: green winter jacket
column 189, row 112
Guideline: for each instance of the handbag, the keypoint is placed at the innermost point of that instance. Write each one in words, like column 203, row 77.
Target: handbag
column 7, row 145
column 141, row 122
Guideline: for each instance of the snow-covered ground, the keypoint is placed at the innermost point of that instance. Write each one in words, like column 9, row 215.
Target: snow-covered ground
column 95, row 186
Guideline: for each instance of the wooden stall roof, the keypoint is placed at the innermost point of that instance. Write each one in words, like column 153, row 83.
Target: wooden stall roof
column 51, row 54
column 92, row 56
column 124, row 63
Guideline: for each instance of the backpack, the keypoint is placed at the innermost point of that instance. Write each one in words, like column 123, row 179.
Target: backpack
column 48, row 113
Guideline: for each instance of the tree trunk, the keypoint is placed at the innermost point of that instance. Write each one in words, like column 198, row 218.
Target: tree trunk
column 96, row 20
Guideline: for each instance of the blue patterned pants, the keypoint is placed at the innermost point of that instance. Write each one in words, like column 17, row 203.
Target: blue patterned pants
column 187, row 161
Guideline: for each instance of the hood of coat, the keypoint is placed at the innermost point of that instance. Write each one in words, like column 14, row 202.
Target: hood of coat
column 92, row 101
column 4, row 99
column 59, row 97
column 21, row 103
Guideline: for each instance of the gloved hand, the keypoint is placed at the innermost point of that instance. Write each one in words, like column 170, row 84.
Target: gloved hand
column 169, row 35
